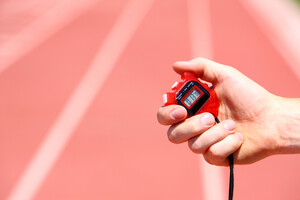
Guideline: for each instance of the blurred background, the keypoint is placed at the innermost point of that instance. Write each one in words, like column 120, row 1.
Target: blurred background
column 81, row 82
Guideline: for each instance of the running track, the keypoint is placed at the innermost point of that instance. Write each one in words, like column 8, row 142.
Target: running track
column 80, row 84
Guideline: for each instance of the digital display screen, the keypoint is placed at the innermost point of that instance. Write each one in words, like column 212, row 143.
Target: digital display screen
column 192, row 97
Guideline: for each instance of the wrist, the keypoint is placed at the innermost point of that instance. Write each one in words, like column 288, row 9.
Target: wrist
column 288, row 125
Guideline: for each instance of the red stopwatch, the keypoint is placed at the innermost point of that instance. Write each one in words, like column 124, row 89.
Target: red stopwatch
column 197, row 98
column 194, row 95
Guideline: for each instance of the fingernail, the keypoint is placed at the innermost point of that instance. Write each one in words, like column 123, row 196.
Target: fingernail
column 180, row 63
column 229, row 125
column 208, row 119
column 239, row 136
column 178, row 113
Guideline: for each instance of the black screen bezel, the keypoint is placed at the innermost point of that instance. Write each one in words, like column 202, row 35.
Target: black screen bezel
column 200, row 102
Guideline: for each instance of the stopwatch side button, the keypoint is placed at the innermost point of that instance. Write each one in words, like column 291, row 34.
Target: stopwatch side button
column 169, row 98
column 174, row 85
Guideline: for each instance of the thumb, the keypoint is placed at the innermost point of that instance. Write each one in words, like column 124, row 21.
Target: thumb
column 205, row 69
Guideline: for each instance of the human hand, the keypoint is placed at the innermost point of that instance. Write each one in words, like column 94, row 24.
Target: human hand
column 249, row 117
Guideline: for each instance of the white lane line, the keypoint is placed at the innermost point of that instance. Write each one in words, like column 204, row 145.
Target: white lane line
column 199, row 21
column 201, row 45
column 58, row 16
column 71, row 115
column 280, row 21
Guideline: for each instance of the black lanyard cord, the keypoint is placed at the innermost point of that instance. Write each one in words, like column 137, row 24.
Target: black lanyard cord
column 231, row 178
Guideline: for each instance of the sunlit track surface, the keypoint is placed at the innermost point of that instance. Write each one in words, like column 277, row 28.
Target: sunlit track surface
column 280, row 21
column 33, row 28
column 75, row 108
column 117, row 150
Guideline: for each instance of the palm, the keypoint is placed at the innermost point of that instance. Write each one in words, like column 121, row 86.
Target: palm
column 243, row 101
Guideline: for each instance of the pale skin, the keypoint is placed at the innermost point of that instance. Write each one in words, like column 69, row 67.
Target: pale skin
column 254, row 124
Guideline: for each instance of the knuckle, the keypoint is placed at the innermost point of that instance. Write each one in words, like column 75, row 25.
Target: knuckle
column 161, row 116
column 193, row 127
column 208, row 159
column 172, row 136
column 200, row 60
column 214, row 155
column 195, row 146
column 236, row 145
column 221, row 134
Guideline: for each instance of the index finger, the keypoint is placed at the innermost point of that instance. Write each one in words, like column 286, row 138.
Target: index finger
column 206, row 69
column 172, row 114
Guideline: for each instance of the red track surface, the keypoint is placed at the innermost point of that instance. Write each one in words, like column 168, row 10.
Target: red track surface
column 118, row 150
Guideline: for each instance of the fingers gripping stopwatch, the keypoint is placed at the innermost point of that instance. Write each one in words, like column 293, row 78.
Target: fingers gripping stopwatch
column 196, row 97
